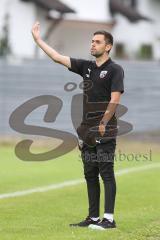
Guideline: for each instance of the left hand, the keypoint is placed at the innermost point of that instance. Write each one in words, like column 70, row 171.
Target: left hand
column 36, row 31
column 102, row 129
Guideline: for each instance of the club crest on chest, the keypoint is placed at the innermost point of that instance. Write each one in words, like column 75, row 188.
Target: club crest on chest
column 89, row 72
column 103, row 74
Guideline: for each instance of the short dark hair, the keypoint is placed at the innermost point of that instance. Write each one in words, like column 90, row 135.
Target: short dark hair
column 108, row 36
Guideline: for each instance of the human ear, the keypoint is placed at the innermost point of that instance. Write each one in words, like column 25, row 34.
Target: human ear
column 108, row 47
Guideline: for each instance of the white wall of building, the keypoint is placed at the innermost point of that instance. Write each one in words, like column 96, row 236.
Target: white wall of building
column 22, row 16
column 91, row 10
column 132, row 35
column 154, row 10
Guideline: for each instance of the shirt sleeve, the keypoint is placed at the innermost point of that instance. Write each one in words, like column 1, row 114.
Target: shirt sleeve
column 117, row 84
column 77, row 66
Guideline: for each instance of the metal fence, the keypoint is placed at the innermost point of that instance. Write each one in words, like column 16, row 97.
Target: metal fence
column 23, row 80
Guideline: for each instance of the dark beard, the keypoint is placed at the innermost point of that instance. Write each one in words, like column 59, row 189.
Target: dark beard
column 97, row 55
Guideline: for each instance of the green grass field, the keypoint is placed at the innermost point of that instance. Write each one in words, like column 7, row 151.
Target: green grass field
column 47, row 215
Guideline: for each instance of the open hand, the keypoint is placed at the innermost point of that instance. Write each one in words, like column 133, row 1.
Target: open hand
column 36, row 31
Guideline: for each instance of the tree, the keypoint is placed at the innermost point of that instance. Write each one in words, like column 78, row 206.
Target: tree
column 4, row 40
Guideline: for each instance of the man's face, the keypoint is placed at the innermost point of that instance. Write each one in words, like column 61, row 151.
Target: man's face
column 99, row 46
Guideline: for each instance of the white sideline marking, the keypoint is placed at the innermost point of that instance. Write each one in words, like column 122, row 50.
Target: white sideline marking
column 73, row 182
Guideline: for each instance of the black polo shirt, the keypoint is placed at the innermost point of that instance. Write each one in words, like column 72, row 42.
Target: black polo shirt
column 98, row 83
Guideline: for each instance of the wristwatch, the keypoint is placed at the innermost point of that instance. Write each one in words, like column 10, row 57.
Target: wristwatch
column 104, row 122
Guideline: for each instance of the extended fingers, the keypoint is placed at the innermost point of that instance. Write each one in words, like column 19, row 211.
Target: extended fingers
column 36, row 27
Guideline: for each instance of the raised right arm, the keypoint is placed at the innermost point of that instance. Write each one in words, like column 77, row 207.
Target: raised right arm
column 53, row 54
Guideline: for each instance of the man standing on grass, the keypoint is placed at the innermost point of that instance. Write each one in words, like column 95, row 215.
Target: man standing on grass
column 103, row 86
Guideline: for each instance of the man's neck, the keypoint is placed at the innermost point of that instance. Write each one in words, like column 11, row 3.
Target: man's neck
column 102, row 59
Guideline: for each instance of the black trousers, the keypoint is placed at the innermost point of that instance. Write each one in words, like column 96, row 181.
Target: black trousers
column 99, row 160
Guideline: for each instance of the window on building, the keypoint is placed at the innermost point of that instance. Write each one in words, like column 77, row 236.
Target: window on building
column 120, row 50
column 146, row 51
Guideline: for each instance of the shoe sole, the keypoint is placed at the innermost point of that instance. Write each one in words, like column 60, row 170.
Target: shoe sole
column 74, row 226
column 95, row 227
